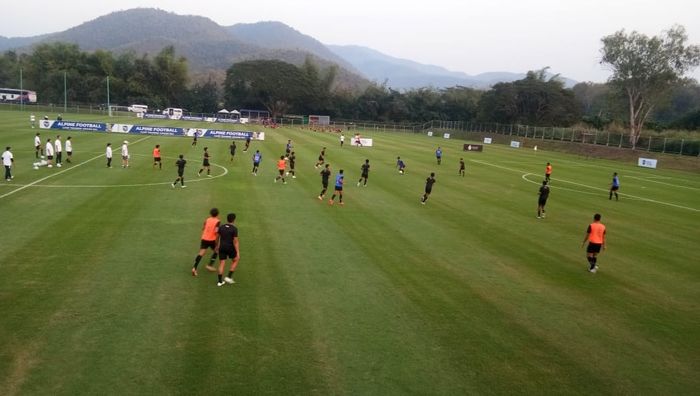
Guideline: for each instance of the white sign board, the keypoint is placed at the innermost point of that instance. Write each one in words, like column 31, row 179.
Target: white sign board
column 430, row 133
column 647, row 163
column 487, row 140
column 364, row 141
column 446, row 136
column 514, row 144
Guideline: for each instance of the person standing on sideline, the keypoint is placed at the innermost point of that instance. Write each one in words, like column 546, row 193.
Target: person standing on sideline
column 462, row 167
column 49, row 152
column 108, row 154
column 156, row 157
column 180, row 163
column 342, row 139
column 32, row 120
column 232, row 149
column 59, row 151
column 257, row 157
column 7, row 161
column 281, row 166
column 595, row 236
column 428, row 187
column 38, row 149
column 125, row 154
column 292, row 164
column 208, row 241
column 228, row 248
column 542, row 201
column 325, row 175
column 614, row 186
column 365, row 173
column 69, row 150
column 548, row 172
column 401, row 165
column 205, row 163
column 438, row 155
column 339, row 179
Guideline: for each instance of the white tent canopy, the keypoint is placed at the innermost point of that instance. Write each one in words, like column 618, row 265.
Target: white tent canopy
column 235, row 112
column 224, row 111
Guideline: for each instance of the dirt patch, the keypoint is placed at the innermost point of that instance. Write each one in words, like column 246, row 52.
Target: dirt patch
column 25, row 359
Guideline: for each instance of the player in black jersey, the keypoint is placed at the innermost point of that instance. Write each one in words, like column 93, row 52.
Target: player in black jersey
column 325, row 175
column 247, row 144
column 542, row 201
column 321, row 158
column 292, row 158
column 365, row 173
column 428, row 187
column 462, row 167
column 180, row 171
column 205, row 163
column 232, row 149
column 227, row 248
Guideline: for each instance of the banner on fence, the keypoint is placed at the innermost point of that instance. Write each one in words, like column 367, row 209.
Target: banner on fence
column 514, row 144
column 73, row 125
column 173, row 131
column 446, row 135
column 155, row 116
column 473, row 147
column 487, row 140
column 647, row 163
column 430, row 133
column 363, row 142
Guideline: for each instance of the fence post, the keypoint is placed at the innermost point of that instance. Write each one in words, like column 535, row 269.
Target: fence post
column 663, row 150
column 681, row 151
column 622, row 136
column 649, row 147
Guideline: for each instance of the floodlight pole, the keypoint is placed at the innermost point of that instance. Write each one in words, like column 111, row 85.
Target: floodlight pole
column 65, row 93
column 109, row 108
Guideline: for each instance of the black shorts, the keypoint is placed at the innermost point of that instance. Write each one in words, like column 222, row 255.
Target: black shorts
column 49, row 157
column 339, row 188
column 69, row 153
column 204, row 244
column 428, row 190
column 180, row 174
column 156, row 159
column 233, row 153
column 256, row 163
column 325, row 184
column 38, row 147
column 205, row 163
column 291, row 165
column 320, row 158
column 542, row 202
column 593, row 247
column 364, row 176
column 614, row 188
column 281, row 172
column 227, row 252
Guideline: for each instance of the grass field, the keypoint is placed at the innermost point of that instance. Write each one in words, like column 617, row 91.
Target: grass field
column 467, row 294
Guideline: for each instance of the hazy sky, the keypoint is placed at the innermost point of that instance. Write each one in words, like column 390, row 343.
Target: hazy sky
column 468, row 36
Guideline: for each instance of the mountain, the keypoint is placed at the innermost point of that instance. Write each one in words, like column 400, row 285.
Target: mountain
column 9, row 43
column 406, row 74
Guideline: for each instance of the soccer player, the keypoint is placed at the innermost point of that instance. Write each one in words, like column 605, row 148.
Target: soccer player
column 342, row 139
column 38, row 149
column 462, row 167
column 257, row 157
column 180, row 163
column 438, row 155
column 7, row 161
column 365, row 173
column 108, row 154
column 32, row 120
column 401, row 165
column 595, row 235
column 49, row 152
column 208, row 241
column 125, row 154
column 428, row 187
column 281, row 166
column 156, row 157
column 59, row 150
column 288, row 148
column 325, row 175
column 232, row 149
column 548, row 172
column 292, row 164
column 247, row 143
column 321, row 158
column 69, row 149
column 358, row 140
column 205, row 163
column 614, row 186
column 194, row 137
column 228, row 248
column 542, row 201
column 339, row 179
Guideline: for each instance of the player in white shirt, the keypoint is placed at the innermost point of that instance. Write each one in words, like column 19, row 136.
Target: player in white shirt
column 108, row 154
column 59, row 150
column 49, row 152
column 7, row 160
column 38, row 147
column 32, row 120
column 342, row 139
column 125, row 154
column 69, row 149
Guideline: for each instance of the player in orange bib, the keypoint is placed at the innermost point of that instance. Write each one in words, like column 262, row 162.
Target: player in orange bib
column 209, row 235
column 281, row 166
column 595, row 236
column 156, row 157
column 548, row 172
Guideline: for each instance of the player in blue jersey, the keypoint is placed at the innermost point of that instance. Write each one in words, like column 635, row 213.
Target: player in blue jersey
column 438, row 155
column 257, row 157
column 614, row 186
column 339, row 179
column 401, row 165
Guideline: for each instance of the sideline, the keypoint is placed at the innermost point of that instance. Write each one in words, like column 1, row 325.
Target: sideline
column 61, row 172
column 591, row 187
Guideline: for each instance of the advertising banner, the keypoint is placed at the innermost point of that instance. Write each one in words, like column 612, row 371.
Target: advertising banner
column 155, row 116
column 647, row 163
column 73, row 125
column 430, row 133
column 514, row 144
column 364, row 141
column 487, row 140
column 474, row 147
column 446, row 135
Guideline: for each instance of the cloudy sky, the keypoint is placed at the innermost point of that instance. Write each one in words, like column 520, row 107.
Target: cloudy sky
column 472, row 36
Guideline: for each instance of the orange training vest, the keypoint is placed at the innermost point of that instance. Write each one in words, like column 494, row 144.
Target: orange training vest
column 597, row 234
column 209, row 232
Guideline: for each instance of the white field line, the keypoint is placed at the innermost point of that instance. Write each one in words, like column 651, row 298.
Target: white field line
column 591, row 187
column 524, row 177
column 59, row 173
column 664, row 183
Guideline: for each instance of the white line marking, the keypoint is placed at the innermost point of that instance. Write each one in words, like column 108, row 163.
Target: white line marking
column 592, row 187
column 664, row 183
column 524, row 177
column 61, row 172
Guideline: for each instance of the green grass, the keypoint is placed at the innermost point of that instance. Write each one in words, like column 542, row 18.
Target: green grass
column 467, row 294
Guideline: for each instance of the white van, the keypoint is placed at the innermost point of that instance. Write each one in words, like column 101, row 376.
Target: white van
column 136, row 108
column 173, row 113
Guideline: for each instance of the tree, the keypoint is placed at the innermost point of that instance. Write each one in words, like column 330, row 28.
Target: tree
column 646, row 69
